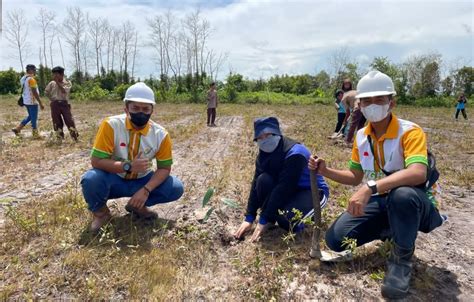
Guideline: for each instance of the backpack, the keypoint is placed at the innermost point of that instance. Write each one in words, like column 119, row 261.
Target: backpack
column 432, row 173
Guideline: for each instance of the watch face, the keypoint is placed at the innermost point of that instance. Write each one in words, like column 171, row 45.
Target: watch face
column 127, row 167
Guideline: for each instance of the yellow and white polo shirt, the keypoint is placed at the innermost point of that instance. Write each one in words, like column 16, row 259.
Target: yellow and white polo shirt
column 403, row 144
column 28, row 82
column 117, row 139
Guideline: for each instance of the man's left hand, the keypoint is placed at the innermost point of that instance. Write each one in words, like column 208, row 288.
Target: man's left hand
column 139, row 198
column 358, row 201
column 259, row 230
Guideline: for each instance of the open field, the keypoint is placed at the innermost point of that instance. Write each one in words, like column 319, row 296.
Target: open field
column 46, row 252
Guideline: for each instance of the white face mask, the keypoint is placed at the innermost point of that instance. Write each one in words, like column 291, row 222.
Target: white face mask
column 269, row 144
column 375, row 113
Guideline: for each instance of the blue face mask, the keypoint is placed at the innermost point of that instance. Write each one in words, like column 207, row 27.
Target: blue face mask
column 139, row 119
column 269, row 144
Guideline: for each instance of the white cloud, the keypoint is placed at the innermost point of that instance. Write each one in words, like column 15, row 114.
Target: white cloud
column 267, row 37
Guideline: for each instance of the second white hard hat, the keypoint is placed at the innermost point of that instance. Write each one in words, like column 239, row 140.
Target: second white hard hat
column 140, row 92
column 375, row 83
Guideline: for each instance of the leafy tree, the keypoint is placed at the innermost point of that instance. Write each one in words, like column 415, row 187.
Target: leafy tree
column 9, row 81
column 464, row 78
column 447, row 84
column 323, row 81
column 430, row 79
column 382, row 64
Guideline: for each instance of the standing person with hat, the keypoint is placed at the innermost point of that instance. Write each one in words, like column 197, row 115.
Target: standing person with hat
column 395, row 202
column 212, row 101
column 58, row 93
column 124, row 149
column 281, row 182
column 31, row 99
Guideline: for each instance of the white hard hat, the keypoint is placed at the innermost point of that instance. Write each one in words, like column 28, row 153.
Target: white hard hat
column 375, row 83
column 140, row 92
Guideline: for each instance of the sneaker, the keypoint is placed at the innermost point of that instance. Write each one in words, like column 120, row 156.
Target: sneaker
column 143, row 213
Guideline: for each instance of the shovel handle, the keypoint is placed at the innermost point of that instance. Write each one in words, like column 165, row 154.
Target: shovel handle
column 315, row 249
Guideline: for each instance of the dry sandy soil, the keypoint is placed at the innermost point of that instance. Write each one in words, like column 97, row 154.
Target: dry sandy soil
column 207, row 263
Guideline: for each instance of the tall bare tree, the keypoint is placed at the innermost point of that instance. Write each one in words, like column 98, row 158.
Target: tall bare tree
column 16, row 32
column 338, row 60
column 97, row 31
column 45, row 19
column 134, row 54
column 128, row 32
column 74, row 26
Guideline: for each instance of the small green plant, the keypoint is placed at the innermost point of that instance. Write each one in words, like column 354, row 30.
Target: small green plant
column 350, row 244
column 385, row 248
column 378, row 275
column 294, row 218
column 19, row 220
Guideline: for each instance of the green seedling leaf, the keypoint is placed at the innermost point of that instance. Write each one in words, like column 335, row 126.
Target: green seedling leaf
column 208, row 214
column 207, row 196
column 230, row 203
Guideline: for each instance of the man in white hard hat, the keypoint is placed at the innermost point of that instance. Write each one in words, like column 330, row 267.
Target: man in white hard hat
column 395, row 202
column 122, row 156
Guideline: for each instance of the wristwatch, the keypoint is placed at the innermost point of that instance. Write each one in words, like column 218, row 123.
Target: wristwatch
column 127, row 167
column 372, row 186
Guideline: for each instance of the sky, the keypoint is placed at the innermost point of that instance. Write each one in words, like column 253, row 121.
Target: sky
column 263, row 38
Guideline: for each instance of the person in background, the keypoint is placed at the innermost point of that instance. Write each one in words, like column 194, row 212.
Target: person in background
column 346, row 85
column 58, row 93
column 461, row 106
column 341, row 114
column 121, row 160
column 281, row 182
column 31, row 99
column 357, row 119
column 391, row 155
column 212, row 101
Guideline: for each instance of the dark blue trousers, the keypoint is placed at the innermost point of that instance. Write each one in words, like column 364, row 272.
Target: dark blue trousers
column 398, row 215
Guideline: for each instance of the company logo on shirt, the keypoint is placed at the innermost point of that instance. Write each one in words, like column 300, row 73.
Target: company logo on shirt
column 122, row 144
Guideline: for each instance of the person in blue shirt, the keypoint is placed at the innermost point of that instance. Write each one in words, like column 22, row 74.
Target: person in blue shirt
column 341, row 114
column 460, row 107
column 281, row 182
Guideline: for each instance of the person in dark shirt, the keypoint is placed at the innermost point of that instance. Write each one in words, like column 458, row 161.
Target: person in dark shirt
column 281, row 182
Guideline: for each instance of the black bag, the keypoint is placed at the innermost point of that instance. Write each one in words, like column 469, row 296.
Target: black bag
column 20, row 100
column 432, row 173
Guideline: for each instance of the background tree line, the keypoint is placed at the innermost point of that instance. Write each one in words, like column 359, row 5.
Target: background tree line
column 104, row 56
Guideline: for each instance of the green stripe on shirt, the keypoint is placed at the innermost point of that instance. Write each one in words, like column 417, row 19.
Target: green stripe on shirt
column 416, row 159
column 99, row 154
column 355, row 166
column 164, row 163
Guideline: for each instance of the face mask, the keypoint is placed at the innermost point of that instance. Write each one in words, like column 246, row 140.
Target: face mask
column 139, row 119
column 269, row 144
column 375, row 113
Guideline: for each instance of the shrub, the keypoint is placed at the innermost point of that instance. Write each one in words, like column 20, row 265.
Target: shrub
column 9, row 81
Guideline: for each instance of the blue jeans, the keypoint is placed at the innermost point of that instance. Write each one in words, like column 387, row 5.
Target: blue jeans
column 399, row 215
column 32, row 116
column 98, row 186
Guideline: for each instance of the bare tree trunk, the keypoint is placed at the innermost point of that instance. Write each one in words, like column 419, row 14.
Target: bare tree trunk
column 61, row 49
column 75, row 26
column 16, row 32
column 51, row 39
column 134, row 54
column 45, row 20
